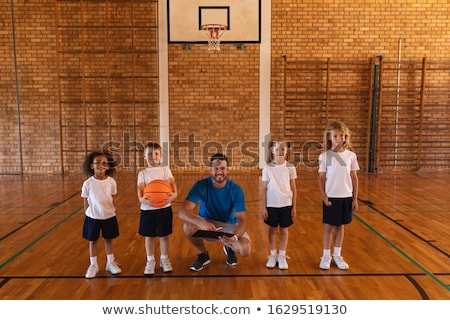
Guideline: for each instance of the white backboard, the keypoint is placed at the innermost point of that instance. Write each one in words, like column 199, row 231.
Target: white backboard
column 242, row 18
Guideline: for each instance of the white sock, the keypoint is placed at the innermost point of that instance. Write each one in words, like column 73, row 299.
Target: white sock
column 337, row 251
column 273, row 252
column 93, row 261
column 164, row 256
column 326, row 252
column 282, row 253
column 150, row 258
column 110, row 258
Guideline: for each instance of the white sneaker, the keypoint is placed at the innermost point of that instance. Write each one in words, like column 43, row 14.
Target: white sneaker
column 150, row 267
column 340, row 263
column 282, row 262
column 325, row 262
column 91, row 271
column 113, row 268
column 166, row 265
column 272, row 261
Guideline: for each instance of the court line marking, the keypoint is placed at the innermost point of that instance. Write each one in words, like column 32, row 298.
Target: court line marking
column 253, row 275
column 32, row 243
column 429, row 273
column 409, row 277
column 396, row 221
column 50, row 208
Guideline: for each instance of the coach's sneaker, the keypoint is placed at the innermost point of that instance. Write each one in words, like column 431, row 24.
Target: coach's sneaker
column 150, row 267
column 231, row 256
column 91, row 271
column 113, row 268
column 282, row 262
column 272, row 261
column 165, row 265
column 201, row 261
column 325, row 262
column 340, row 263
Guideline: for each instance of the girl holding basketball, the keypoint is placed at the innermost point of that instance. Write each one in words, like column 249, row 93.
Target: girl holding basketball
column 98, row 191
column 279, row 199
column 338, row 185
column 155, row 221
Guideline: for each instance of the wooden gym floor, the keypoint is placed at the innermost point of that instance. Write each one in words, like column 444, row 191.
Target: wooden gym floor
column 397, row 245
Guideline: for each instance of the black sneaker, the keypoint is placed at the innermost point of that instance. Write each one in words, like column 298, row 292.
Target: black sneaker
column 201, row 261
column 231, row 256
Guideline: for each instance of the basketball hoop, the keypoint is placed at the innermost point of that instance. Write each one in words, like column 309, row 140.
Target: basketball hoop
column 214, row 32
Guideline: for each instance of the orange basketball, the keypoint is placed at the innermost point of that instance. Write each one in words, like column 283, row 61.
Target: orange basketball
column 157, row 191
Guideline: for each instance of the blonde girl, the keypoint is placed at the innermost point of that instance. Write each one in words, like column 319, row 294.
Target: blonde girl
column 279, row 200
column 338, row 186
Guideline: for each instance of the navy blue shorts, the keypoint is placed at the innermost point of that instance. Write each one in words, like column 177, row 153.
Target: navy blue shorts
column 340, row 211
column 92, row 227
column 156, row 223
column 279, row 217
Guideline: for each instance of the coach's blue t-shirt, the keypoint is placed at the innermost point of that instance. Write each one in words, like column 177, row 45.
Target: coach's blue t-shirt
column 217, row 204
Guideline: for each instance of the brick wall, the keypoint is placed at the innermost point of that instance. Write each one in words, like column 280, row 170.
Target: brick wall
column 352, row 32
column 70, row 102
column 214, row 101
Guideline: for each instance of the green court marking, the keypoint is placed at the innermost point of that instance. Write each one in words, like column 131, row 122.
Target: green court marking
column 430, row 274
column 39, row 238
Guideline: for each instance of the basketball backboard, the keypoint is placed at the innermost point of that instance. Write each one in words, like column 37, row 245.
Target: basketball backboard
column 242, row 18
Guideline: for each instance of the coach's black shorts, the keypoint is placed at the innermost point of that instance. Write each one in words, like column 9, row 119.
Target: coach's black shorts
column 279, row 217
column 92, row 227
column 156, row 223
column 340, row 211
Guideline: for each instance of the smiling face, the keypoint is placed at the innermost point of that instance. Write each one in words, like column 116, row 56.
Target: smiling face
column 153, row 157
column 100, row 165
column 280, row 151
column 337, row 138
column 219, row 172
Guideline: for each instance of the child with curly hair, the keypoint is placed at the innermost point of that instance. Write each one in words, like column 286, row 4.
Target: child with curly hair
column 98, row 191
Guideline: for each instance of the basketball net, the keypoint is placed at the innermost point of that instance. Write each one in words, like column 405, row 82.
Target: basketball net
column 214, row 32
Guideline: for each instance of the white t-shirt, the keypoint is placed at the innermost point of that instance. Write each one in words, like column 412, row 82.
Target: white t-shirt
column 154, row 173
column 337, row 165
column 279, row 192
column 99, row 194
